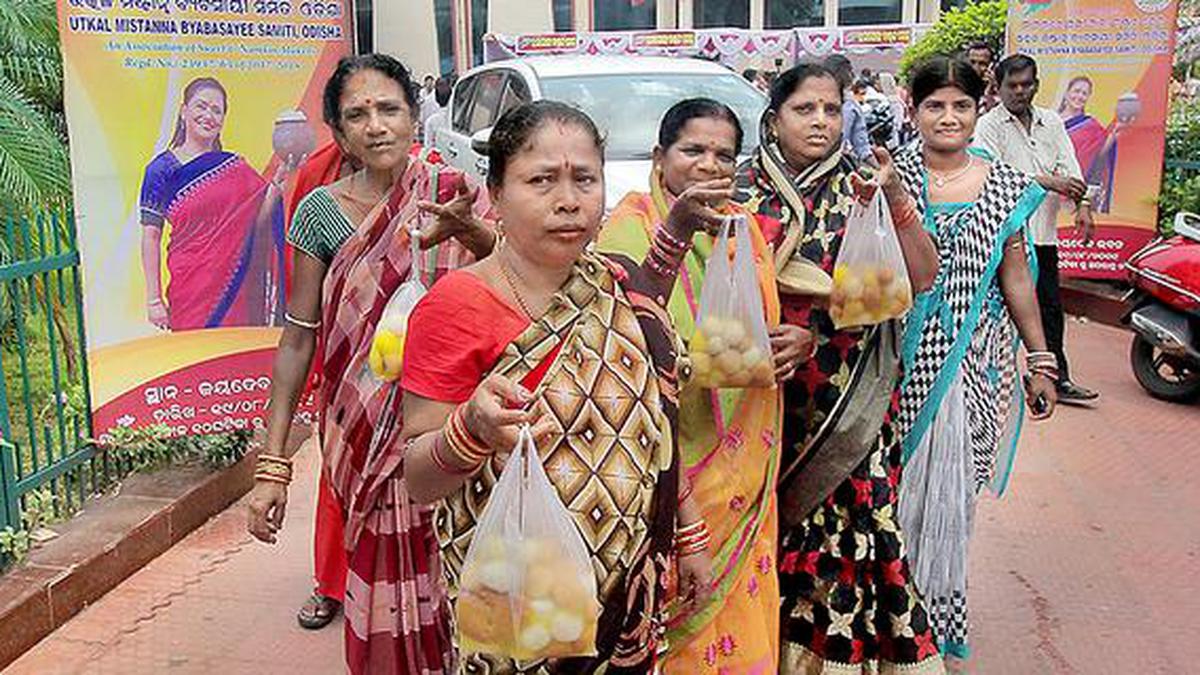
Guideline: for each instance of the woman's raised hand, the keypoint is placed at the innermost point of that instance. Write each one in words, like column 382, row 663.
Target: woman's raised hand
column 696, row 208
column 451, row 219
column 286, row 168
column 865, row 182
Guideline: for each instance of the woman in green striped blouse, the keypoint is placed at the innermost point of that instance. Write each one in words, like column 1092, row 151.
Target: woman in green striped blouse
column 353, row 246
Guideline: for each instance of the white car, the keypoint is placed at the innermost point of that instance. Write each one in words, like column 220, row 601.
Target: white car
column 625, row 95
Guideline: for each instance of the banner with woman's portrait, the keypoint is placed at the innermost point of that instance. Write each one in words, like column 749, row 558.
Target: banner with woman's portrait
column 187, row 119
column 1104, row 67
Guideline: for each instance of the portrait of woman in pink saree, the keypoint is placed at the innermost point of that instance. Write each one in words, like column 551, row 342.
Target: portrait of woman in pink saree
column 1095, row 144
column 225, row 248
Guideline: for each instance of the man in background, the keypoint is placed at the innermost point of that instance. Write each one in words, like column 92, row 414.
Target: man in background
column 982, row 57
column 1034, row 141
column 854, row 125
column 428, row 103
column 440, row 119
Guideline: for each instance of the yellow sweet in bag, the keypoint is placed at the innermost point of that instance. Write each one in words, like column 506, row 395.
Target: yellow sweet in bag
column 535, row 581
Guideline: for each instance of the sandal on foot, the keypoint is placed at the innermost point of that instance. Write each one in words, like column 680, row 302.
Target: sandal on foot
column 317, row 612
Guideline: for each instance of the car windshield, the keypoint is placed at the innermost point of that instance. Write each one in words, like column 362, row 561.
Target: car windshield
column 628, row 107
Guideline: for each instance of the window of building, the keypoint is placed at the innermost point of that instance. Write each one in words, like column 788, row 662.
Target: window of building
column 625, row 14
column 564, row 15
column 867, row 12
column 795, row 13
column 721, row 13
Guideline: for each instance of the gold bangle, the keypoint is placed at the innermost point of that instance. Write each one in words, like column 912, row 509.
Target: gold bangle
column 278, row 470
column 263, row 457
column 271, row 479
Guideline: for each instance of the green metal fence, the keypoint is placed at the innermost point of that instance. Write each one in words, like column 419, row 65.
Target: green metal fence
column 44, row 400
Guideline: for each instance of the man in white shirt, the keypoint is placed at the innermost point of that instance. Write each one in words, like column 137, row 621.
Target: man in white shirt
column 428, row 106
column 1034, row 141
column 438, row 120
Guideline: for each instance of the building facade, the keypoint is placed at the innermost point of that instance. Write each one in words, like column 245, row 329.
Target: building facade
column 440, row 36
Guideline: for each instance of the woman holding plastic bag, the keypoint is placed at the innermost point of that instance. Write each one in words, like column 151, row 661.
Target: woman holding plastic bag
column 354, row 253
column 849, row 603
column 728, row 437
column 579, row 347
column 961, row 404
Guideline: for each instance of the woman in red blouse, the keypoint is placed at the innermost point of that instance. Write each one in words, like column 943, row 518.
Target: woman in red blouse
column 580, row 347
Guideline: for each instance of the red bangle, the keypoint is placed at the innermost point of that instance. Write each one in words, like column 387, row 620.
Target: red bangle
column 694, row 547
column 461, row 442
column 445, row 466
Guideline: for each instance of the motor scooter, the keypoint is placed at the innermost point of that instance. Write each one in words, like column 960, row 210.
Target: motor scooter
column 1165, row 313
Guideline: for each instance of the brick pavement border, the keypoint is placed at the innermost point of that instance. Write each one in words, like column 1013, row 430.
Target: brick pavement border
column 115, row 536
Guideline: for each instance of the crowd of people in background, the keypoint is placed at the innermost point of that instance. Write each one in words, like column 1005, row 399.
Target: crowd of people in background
column 821, row 525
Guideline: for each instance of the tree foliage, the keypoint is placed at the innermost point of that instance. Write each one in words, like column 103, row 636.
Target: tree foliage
column 1180, row 186
column 34, row 164
column 982, row 20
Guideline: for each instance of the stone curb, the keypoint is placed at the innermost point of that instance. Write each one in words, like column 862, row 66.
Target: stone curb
column 1100, row 302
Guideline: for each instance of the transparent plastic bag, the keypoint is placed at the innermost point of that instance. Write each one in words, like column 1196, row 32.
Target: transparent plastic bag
column 387, row 344
column 870, row 279
column 730, row 347
column 527, row 589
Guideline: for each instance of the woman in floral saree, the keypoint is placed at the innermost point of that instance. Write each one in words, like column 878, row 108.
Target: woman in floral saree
column 579, row 346
column 728, row 439
column 353, row 245
column 849, row 604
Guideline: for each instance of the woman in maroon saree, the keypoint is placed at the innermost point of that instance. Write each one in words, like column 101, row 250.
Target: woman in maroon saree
column 225, row 252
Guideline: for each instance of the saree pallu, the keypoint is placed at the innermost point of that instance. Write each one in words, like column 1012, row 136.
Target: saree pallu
column 397, row 618
column 961, row 403
column 610, row 390
column 226, row 266
column 849, row 605
column 729, row 450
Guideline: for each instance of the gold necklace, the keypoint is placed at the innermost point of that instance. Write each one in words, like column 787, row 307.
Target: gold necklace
column 942, row 180
column 512, row 285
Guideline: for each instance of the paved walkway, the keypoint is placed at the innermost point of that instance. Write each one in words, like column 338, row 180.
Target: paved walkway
column 1089, row 565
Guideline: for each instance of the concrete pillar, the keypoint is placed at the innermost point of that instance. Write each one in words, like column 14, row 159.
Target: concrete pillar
column 831, row 13
column 513, row 17
column 408, row 30
column 583, row 15
column 687, row 14
column 462, row 34
column 758, row 14
column 666, row 14
column 927, row 11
